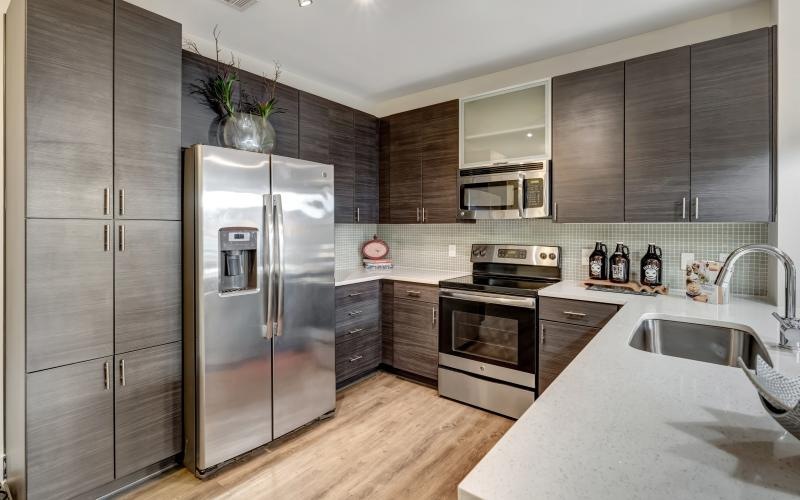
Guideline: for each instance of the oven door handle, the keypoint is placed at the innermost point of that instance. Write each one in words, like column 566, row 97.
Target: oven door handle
column 490, row 298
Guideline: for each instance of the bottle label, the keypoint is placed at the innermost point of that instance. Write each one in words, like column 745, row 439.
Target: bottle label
column 650, row 273
column 595, row 268
column 618, row 271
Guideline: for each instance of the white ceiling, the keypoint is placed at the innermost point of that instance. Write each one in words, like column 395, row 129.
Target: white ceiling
column 382, row 49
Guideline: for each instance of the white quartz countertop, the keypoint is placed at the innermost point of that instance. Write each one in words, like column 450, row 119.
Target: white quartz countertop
column 414, row 275
column 620, row 423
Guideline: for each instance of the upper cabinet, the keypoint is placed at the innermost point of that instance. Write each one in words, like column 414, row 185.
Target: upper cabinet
column 588, row 145
column 732, row 128
column 508, row 126
column 681, row 135
column 419, row 159
column 147, row 115
column 367, row 168
column 69, row 88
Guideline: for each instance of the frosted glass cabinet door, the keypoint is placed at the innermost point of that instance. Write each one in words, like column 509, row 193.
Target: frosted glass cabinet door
column 507, row 126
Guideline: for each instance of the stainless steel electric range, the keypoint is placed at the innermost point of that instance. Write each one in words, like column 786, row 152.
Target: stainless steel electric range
column 488, row 327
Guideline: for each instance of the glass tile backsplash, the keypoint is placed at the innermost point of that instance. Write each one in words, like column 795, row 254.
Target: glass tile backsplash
column 426, row 245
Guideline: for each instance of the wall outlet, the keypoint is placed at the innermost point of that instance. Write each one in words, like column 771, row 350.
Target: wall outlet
column 686, row 260
column 451, row 250
column 585, row 254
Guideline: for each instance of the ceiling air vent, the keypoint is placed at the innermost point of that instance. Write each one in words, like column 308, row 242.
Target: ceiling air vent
column 239, row 4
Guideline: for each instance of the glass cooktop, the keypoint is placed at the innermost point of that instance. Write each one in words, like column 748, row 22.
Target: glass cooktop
column 508, row 285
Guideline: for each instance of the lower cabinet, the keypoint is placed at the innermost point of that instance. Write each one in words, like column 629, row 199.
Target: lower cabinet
column 387, row 322
column 70, row 429
column 415, row 334
column 358, row 330
column 147, row 407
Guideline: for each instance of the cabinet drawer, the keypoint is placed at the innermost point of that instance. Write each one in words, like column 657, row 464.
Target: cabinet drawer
column 559, row 343
column 357, row 293
column 358, row 354
column 577, row 312
column 415, row 291
column 358, row 316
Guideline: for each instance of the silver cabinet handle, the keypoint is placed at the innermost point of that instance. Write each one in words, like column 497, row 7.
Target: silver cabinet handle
column 106, row 376
column 106, row 237
column 355, row 358
column 281, row 262
column 696, row 208
column 122, row 202
column 423, row 214
column 122, row 372
column 354, row 294
column 121, row 238
column 413, row 293
column 269, row 272
column 683, row 209
column 358, row 214
column 543, row 334
column 357, row 330
column 354, row 313
column 575, row 314
column 555, row 212
column 106, row 201
column 433, row 316
column 417, row 214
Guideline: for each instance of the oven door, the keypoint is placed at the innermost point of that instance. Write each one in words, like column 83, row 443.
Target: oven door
column 490, row 196
column 488, row 334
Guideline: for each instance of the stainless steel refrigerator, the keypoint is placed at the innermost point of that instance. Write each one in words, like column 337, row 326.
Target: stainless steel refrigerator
column 259, row 314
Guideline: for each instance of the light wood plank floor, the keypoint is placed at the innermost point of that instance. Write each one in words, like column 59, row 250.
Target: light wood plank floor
column 390, row 439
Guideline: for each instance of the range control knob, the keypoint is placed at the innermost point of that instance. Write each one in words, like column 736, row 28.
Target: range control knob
column 476, row 251
column 543, row 256
column 483, row 252
column 552, row 256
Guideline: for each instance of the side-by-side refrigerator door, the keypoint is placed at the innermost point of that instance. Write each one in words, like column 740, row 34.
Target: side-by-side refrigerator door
column 304, row 380
column 233, row 352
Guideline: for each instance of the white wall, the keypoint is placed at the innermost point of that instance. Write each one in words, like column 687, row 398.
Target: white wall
column 753, row 16
column 785, row 233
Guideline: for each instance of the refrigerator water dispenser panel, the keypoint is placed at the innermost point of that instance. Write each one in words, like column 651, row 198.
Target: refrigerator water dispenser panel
column 237, row 259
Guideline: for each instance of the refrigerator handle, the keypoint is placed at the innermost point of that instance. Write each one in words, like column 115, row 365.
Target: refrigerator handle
column 269, row 274
column 279, row 262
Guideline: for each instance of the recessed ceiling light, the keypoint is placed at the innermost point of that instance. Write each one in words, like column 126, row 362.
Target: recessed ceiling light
column 305, row 3
column 530, row 134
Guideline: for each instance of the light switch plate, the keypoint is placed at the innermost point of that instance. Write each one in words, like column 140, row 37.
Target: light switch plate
column 585, row 254
column 686, row 260
column 451, row 250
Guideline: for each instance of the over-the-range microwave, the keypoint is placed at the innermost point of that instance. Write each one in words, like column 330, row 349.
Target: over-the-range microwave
column 520, row 191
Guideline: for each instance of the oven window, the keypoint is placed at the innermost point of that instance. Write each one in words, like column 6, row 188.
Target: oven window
column 500, row 195
column 488, row 337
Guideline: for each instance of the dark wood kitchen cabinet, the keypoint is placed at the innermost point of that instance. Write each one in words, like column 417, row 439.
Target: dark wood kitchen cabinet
column 387, row 322
column 358, row 330
column 422, row 158
column 314, row 123
column 367, row 168
column 732, row 136
column 68, row 87
column 147, row 115
column 342, row 150
column 70, row 431
column 589, row 145
column 657, row 137
column 147, row 284
column 147, row 407
column 415, row 329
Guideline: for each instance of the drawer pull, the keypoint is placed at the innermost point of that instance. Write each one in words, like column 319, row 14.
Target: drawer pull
column 354, row 313
column 413, row 293
column 355, row 358
column 575, row 314
column 356, row 331
column 354, row 294
column 543, row 335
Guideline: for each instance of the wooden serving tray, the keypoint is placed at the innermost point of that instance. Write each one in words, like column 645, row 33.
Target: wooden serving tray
column 630, row 287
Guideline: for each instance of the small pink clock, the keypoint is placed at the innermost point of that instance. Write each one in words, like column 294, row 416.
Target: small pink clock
column 375, row 249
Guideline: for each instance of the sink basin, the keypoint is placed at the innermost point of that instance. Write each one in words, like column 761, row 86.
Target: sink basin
column 711, row 344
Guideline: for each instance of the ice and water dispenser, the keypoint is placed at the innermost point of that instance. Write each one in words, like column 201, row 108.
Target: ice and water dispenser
column 238, row 264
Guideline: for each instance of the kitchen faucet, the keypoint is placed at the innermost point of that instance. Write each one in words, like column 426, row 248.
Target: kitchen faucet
column 789, row 323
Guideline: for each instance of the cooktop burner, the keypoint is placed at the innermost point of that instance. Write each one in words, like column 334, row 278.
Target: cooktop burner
column 497, row 284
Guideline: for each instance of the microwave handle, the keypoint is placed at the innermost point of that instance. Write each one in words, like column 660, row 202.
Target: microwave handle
column 521, row 196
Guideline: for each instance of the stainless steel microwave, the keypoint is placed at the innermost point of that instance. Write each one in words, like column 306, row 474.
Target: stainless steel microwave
column 505, row 191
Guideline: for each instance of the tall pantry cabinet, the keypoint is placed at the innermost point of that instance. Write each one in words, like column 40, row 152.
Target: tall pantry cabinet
column 93, row 297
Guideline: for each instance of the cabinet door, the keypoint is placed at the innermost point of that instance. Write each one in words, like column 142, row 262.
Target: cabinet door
column 384, row 176
column 69, row 108
column 70, row 429
column 732, row 128
column 406, row 168
column 147, row 407
column 440, row 163
column 313, row 131
column 588, row 145
column 69, row 292
column 559, row 343
column 416, row 337
column 147, row 115
column 387, row 322
column 366, row 179
column 343, row 157
column 657, row 134
column 147, row 287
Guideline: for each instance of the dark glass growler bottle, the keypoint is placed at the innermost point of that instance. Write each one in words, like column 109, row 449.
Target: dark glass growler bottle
column 620, row 264
column 650, row 274
column 597, row 262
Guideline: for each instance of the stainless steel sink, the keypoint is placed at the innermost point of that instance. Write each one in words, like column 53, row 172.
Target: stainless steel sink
column 712, row 344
